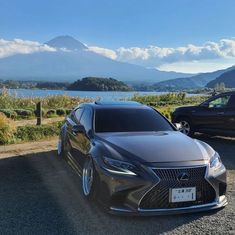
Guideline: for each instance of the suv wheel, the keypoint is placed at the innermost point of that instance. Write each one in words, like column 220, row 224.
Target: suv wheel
column 186, row 126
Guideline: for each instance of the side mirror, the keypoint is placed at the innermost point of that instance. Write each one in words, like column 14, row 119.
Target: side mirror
column 78, row 129
column 178, row 126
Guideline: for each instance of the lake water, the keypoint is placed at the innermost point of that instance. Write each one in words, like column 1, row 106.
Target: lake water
column 102, row 95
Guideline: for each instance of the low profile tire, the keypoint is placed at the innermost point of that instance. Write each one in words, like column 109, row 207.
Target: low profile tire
column 88, row 179
column 186, row 126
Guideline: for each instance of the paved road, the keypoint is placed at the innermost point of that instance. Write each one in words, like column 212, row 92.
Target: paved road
column 40, row 195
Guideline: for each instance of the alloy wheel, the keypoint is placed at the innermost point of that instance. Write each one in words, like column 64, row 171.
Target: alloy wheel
column 59, row 147
column 185, row 127
column 87, row 177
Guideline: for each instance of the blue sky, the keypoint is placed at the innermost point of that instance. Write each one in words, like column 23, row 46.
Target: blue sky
column 115, row 24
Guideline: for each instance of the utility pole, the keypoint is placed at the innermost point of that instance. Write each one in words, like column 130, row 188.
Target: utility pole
column 39, row 113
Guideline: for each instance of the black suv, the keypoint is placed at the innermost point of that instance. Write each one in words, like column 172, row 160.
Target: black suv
column 215, row 116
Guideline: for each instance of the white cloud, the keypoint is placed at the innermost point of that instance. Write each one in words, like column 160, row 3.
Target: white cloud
column 19, row 46
column 201, row 66
column 190, row 58
column 164, row 57
column 154, row 55
column 104, row 51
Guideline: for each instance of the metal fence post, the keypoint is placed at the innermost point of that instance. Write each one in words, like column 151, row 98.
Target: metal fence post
column 39, row 113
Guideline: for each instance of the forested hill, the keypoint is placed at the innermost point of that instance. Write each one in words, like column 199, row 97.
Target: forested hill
column 99, row 84
column 228, row 79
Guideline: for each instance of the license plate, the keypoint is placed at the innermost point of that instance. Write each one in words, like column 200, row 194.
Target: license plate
column 183, row 194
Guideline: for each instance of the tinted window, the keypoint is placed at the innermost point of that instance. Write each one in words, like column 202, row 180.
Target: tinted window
column 220, row 102
column 231, row 102
column 86, row 119
column 129, row 120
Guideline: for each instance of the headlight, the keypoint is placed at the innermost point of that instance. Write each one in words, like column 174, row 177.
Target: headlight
column 215, row 161
column 216, row 165
column 119, row 167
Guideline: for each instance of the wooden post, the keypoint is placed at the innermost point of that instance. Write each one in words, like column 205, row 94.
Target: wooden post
column 39, row 113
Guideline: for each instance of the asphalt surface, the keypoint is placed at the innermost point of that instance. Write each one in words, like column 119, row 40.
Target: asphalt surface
column 40, row 194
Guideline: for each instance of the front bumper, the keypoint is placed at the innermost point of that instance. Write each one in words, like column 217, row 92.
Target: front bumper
column 222, row 202
column 123, row 194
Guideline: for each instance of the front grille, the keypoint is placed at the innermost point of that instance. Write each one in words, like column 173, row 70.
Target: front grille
column 222, row 189
column 158, row 196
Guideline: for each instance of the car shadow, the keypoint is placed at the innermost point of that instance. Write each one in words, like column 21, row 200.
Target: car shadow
column 40, row 194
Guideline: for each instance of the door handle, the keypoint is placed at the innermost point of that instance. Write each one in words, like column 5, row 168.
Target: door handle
column 220, row 113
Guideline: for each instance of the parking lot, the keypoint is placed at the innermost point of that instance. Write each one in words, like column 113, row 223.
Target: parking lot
column 40, row 194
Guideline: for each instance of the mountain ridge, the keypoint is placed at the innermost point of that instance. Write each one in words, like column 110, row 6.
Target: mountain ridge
column 228, row 78
column 75, row 63
column 195, row 81
column 66, row 41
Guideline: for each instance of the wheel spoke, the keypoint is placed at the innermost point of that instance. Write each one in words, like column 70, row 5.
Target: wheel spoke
column 59, row 147
column 185, row 127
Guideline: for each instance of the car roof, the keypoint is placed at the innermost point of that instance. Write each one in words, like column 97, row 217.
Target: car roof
column 119, row 103
column 114, row 104
column 226, row 93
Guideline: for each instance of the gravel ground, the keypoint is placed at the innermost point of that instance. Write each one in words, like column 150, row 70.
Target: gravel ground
column 40, row 194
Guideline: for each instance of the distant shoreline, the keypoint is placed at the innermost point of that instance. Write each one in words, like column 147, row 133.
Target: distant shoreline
column 96, row 95
column 67, row 86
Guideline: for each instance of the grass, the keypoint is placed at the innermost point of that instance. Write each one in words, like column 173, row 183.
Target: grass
column 34, row 133
column 24, row 107
column 168, row 99
column 11, row 135
column 7, row 130
column 166, row 103
column 8, row 101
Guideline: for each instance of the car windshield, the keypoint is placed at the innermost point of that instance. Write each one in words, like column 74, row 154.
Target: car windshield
column 130, row 120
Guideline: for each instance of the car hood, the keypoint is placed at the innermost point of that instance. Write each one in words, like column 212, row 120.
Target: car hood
column 156, row 147
column 185, row 108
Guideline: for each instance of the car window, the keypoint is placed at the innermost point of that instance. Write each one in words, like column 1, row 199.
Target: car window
column 78, row 113
column 231, row 102
column 129, row 120
column 220, row 102
column 86, row 119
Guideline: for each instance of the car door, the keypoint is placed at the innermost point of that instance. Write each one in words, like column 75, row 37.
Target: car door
column 210, row 116
column 81, row 141
column 230, row 116
column 74, row 154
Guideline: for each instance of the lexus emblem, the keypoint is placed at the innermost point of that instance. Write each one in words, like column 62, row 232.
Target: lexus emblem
column 183, row 176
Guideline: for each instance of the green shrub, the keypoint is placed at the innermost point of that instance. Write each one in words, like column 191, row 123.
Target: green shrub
column 51, row 113
column 166, row 111
column 24, row 113
column 34, row 133
column 68, row 111
column 9, row 113
column 61, row 112
column 7, row 130
column 168, row 99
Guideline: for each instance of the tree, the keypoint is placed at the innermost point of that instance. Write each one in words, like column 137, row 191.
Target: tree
column 219, row 86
